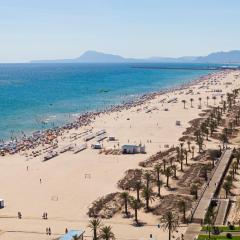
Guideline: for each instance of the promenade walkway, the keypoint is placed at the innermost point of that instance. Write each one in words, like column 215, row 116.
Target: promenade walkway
column 213, row 186
column 208, row 193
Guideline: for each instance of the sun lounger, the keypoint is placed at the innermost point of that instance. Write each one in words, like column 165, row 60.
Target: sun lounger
column 80, row 148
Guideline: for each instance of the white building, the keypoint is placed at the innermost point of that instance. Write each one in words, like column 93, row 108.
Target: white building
column 132, row 149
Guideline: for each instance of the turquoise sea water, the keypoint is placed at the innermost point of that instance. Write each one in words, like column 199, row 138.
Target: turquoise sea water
column 36, row 96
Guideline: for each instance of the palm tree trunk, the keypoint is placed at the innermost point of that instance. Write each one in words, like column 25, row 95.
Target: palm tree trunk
column 147, row 185
column 125, row 203
column 136, row 216
column 138, row 197
column 184, row 215
column 94, row 234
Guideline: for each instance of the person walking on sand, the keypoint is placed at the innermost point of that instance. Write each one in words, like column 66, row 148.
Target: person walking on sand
column 47, row 231
column 40, row 180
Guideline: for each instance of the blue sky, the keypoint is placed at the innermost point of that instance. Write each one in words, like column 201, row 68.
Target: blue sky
column 51, row 29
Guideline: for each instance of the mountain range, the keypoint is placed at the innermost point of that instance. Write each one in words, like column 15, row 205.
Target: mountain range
column 231, row 57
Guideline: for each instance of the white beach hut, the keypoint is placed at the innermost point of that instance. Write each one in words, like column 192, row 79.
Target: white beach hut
column 132, row 149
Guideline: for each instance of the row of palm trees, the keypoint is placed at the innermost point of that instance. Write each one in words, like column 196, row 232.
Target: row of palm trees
column 200, row 101
column 209, row 125
column 230, row 101
column 143, row 187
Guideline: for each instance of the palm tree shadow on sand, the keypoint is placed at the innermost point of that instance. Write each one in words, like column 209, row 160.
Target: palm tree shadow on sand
column 138, row 224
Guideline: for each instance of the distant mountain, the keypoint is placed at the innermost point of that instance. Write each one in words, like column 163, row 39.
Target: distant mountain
column 91, row 57
column 221, row 57
column 98, row 57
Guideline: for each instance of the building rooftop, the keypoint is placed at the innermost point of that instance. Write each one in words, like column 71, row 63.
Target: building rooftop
column 71, row 234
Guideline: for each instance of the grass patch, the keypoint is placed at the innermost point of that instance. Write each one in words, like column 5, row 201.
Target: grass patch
column 223, row 228
column 214, row 237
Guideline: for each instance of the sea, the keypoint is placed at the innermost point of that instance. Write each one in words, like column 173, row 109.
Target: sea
column 39, row 96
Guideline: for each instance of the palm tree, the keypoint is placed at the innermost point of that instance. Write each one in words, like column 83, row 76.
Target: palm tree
column 193, row 148
column 125, row 197
column 237, row 156
column 224, row 139
column 214, row 100
column 189, row 145
column 186, row 156
column 106, row 233
column 164, row 165
column 205, row 172
column 194, row 190
column 95, row 224
column 168, row 173
column 209, row 220
column 135, row 205
column 227, row 187
column 169, row 222
column 181, row 162
column 200, row 102
column 235, row 166
column 138, row 186
column 159, row 185
column 181, row 146
column 148, row 195
column 182, row 207
column 159, row 182
column 199, row 142
column 191, row 100
column 148, row 178
column 221, row 98
column 158, row 171
column 174, row 168
column 184, row 103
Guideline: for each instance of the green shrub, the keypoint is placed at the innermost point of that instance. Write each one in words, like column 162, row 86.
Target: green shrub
column 229, row 235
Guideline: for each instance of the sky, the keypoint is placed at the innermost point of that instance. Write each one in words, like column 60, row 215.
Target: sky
column 58, row 29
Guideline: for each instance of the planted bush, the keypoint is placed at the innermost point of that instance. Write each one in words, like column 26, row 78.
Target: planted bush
column 229, row 235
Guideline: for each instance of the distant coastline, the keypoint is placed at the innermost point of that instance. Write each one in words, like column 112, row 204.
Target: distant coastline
column 231, row 57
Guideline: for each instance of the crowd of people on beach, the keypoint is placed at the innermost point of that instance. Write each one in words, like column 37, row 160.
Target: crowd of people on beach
column 49, row 137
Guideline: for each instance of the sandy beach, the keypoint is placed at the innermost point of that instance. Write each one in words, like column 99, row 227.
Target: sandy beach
column 66, row 185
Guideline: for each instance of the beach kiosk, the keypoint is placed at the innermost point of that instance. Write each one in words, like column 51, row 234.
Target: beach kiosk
column 132, row 149
column 73, row 234
column 1, row 203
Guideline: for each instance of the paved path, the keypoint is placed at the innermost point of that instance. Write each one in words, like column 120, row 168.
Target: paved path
column 222, row 211
column 213, row 185
column 208, row 193
column 193, row 231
